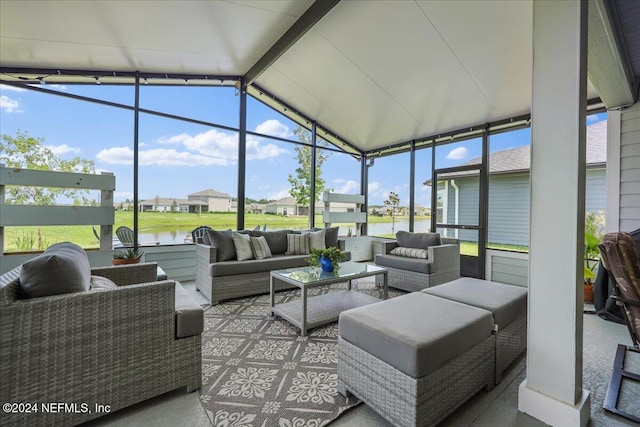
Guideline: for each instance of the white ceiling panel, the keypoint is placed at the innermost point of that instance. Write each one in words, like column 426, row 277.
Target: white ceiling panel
column 376, row 73
column 396, row 71
column 211, row 37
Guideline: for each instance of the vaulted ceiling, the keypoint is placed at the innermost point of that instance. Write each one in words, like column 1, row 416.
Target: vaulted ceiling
column 375, row 73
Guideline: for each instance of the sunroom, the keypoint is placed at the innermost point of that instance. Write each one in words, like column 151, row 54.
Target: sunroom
column 497, row 123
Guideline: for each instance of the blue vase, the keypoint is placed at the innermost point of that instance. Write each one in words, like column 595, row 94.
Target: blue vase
column 325, row 263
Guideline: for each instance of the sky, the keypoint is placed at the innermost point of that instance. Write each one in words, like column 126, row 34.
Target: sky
column 178, row 158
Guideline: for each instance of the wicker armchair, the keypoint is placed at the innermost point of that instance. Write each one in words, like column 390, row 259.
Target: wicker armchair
column 111, row 347
column 413, row 275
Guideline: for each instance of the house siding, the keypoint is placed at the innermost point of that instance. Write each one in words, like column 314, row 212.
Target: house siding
column 630, row 169
column 509, row 204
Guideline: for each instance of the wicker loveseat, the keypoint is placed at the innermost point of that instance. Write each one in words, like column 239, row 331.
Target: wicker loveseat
column 220, row 275
column 112, row 347
column 419, row 260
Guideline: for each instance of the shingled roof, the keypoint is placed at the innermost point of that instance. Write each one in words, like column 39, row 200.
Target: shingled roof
column 515, row 160
column 519, row 159
column 209, row 193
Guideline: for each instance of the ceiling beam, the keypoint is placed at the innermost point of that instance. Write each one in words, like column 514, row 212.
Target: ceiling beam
column 308, row 19
column 608, row 66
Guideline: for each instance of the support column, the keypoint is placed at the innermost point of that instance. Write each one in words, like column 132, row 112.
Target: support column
column 552, row 391
column 242, row 156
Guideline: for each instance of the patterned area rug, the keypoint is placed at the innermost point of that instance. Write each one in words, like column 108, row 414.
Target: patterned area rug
column 258, row 371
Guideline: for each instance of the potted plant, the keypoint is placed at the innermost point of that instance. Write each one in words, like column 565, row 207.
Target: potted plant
column 328, row 259
column 127, row 256
column 591, row 256
column 593, row 224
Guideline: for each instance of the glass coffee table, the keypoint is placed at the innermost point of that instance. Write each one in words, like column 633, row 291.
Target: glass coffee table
column 310, row 312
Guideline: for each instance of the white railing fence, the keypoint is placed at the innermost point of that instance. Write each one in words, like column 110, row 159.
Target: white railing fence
column 32, row 215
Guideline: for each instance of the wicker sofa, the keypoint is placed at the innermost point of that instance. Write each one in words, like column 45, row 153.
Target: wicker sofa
column 113, row 346
column 221, row 276
column 420, row 260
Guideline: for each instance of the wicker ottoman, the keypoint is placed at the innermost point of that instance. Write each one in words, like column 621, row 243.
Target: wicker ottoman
column 508, row 303
column 416, row 358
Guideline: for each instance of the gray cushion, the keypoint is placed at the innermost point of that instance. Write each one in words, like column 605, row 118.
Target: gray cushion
column 242, row 243
column 277, row 240
column 260, row 248
column 417, row 240
column 416, row 333
column 410, row 252
column 298, row 244
column 62, row 268
column 317, row 239
column 189, row 315
column 222, row 240
column 506, row 302
column 330, row 236
column 278, row 262
column 99, row 283
column 417, row 265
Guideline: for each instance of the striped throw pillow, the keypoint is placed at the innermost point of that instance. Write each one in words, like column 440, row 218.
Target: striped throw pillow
column 410, row 252
column 260, row 248
column 298, row 244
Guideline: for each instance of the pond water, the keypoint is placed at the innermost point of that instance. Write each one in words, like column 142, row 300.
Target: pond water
column 184, row 236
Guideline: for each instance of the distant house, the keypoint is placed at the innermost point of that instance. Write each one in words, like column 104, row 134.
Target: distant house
column 509, row 191
column 168, row 204
column 420, row 210
column 215, row 200
column 256, row 208
column 287, row 206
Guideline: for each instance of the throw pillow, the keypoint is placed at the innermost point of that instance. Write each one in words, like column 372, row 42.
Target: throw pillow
column 242, row 243
column 298, row 244
column 223, row 242
column 331, row 237
column 260, row 248
column 417, row 240
column 410, row 252
column 62, row 268
column 277, row 240
column 99, row 283
column 317, row 239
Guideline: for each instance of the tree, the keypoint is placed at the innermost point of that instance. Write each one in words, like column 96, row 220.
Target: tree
column 25, row 151
column 301, row 182
column 392, row 202
column 174, row 206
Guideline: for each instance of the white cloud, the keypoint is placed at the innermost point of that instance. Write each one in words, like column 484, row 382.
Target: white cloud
column 224, row 146
column 9, row 105
column 347, row 186
column 458, row 153
column 279, row 194
column 63, row 149
column 157, row 156
column 374, row 187
column 259, row 151
column 273, row 128
column 11, row 88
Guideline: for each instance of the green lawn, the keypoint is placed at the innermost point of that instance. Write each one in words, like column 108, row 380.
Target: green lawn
column 18, row 239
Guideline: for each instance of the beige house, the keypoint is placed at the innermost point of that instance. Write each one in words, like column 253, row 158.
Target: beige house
column 216, row 201
column 286, row 206
column 169, row 204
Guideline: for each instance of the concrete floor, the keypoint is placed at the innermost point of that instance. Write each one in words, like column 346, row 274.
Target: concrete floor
column 495, row 408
